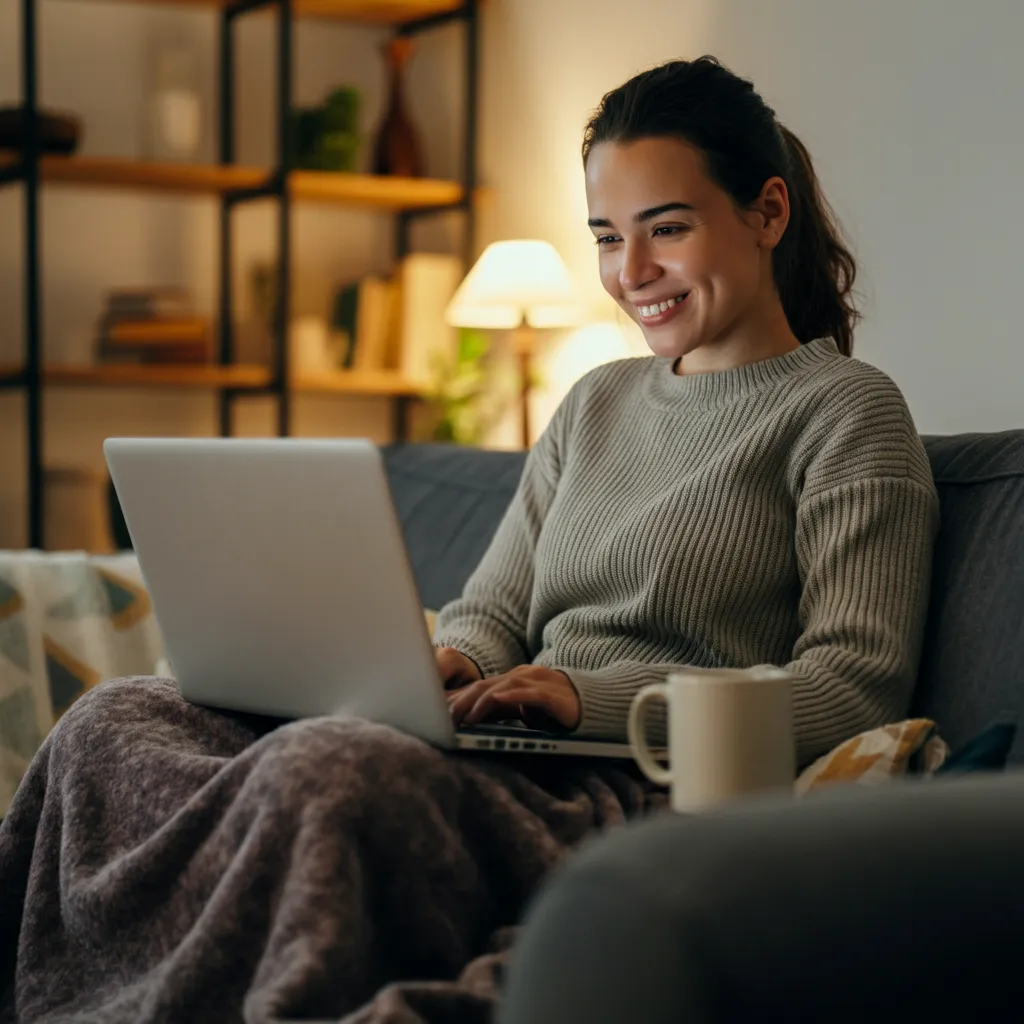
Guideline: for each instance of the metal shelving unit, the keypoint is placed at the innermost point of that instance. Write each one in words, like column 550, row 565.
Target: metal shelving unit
column 406, row 199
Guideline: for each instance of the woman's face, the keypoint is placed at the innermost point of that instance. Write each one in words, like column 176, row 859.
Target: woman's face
column 675, row 252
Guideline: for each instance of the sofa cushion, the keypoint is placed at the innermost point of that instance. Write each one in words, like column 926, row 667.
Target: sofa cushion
column 450, row 500
column 972, row 667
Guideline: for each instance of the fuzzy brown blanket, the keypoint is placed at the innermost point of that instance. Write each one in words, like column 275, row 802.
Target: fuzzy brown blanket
column 164, row 862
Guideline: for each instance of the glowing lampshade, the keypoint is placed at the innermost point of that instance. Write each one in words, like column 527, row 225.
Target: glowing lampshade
column 515, row 283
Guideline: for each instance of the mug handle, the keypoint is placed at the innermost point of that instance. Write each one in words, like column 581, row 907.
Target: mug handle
column 637, row 720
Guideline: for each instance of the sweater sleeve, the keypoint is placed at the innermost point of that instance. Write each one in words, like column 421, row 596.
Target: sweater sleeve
column 864, row 553
column 487, row 623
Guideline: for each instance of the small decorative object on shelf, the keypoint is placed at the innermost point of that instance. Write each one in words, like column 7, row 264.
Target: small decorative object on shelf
column 58, row 133
column 174, row 125
column 398, row 149
column 310, row 350
column 326, row 137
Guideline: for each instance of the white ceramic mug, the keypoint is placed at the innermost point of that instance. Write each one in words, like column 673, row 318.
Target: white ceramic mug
column 730, row 733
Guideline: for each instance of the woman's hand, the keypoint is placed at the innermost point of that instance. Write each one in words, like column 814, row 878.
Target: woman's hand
column 455, row 668
column 529, row 692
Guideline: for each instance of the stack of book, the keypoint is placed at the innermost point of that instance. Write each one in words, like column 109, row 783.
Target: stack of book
column 153, row 325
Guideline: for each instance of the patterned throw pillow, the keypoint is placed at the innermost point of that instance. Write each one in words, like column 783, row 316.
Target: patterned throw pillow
column 878, row 755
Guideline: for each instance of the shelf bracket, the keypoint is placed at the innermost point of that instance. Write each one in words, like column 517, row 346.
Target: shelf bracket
column 431, row 21
column 238, row 7
column 12, row 173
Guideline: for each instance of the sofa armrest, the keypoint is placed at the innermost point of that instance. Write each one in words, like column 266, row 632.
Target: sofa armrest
column 900, row 903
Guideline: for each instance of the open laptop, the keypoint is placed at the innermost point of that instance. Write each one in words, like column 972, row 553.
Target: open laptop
column 281, row 585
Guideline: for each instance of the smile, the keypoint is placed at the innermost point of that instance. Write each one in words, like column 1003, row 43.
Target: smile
column 656, row 313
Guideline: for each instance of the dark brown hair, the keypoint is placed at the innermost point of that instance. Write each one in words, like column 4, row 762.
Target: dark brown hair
column 705, row 104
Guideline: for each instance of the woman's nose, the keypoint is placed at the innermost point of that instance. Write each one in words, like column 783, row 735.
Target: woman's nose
column 638, row 268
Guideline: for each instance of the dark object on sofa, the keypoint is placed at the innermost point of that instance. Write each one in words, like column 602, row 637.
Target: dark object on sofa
column 893, row 904
column 58, row 133
column 987, row 752
column 883, row 905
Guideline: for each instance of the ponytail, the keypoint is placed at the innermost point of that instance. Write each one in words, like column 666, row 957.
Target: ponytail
column 814, row 271
column 744, row 145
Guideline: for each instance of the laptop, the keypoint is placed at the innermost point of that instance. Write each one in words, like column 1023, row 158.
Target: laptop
column 281, row 585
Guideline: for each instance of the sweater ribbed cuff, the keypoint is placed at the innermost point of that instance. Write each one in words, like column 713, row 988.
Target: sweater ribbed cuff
column 605, row 701
column 488, row 660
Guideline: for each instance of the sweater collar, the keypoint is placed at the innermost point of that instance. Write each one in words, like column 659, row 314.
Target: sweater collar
column 708, row 390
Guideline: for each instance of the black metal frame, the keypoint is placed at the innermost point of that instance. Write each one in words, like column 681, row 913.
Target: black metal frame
column 27, row 172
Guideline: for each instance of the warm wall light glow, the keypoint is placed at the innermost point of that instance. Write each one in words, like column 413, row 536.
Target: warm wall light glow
column 512, row 282
column 580, row 351
column 571, row 356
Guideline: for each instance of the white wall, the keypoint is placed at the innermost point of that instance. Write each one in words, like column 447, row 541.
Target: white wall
column 912, row 109
column 93, row 61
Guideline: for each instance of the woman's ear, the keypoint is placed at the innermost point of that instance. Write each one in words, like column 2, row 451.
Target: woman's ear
column 773, row 207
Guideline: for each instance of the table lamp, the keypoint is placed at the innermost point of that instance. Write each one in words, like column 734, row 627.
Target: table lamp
column 521, row 286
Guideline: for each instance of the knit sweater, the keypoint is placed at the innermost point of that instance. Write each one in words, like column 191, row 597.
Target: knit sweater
column 779, row 513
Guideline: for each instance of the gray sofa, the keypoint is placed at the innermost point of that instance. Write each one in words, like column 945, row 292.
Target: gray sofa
column 905, row 902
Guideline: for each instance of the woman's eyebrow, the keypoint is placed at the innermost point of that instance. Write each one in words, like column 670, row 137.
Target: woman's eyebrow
column 643, row 215
column 657, row 211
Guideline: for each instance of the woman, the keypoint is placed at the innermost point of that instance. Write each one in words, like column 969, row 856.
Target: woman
column 748, row 495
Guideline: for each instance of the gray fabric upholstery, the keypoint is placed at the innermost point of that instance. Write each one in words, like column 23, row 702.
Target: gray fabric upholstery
column 972, row 668
column 894, row 904
column 450, row 500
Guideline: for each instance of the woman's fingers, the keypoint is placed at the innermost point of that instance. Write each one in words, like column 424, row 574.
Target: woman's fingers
column 504, row 700
column 460, row 701
column 487, row 697
column 549, row 692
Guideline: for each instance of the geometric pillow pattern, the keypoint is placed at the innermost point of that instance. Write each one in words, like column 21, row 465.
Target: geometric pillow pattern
column 67, row 622
column 910, row 747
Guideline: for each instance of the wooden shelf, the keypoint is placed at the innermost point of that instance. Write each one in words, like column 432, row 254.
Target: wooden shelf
column 382, row 383
column 367, row 12
column 366, row 190
column 358, row 382
column 373, row 190
column 116, row 172
column 127, row 375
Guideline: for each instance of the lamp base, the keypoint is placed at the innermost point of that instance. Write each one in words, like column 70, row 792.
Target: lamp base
column 523, row 341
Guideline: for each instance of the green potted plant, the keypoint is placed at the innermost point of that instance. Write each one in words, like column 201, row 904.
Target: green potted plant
column 466, row 398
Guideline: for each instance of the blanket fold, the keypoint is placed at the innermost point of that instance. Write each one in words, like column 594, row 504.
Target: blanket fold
column 165, row 862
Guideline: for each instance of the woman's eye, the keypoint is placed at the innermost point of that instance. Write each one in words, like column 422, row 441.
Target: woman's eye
column 666, row 230
column 604, row 240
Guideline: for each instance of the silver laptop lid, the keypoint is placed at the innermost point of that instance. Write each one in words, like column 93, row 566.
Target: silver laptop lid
column 279, row 577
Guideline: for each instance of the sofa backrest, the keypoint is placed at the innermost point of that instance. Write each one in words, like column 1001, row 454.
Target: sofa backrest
column 450, row 501
column 972, row 667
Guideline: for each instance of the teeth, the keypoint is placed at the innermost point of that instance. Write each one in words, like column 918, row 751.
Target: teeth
column 660, row 307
